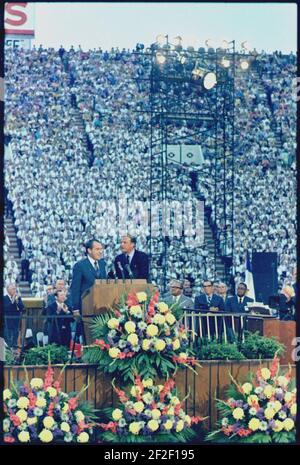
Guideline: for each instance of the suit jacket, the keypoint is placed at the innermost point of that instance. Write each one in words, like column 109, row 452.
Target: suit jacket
column 84, row 276
column 59, row 329
column 233, row 305
column 183, row 301
column 139, row 265
column 14, row 310
column 216, row 301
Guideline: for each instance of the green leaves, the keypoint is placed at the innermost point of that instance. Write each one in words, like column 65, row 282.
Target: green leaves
column 39, row 355
column 260, row 347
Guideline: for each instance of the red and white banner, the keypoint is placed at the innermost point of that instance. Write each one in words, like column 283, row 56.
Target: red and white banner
column 19, row 19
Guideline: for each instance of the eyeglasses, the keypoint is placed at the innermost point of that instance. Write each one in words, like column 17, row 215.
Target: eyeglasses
column 207, row 285
column 175, row 287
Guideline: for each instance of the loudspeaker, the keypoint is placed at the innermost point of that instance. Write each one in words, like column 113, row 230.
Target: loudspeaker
column 265, row 276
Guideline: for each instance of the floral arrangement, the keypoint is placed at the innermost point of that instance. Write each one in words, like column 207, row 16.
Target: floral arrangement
column 148, row 413
column 262, row 410
column 141, row 335
column 38, row 411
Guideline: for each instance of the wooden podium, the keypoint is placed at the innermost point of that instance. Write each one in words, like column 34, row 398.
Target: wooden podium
column 104, row 295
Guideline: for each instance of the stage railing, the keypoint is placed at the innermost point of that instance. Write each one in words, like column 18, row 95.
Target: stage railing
column 213, row 326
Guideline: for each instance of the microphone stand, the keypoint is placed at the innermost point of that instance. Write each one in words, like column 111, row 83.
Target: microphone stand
column 122, row 271
column 127, row 266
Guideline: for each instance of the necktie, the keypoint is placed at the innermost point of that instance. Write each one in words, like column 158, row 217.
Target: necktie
column 209, row 300
column 127, row 260
column 240, row 300
column 96, row 268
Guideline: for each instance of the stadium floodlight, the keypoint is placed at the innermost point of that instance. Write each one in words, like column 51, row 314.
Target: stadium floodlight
column 209, row 43
column 160, row 39
column 160, row 58
column 244, row 64
column 177, row 41
column 225, row 62
column 209, row 79
column 225, row 44
column 246, row 45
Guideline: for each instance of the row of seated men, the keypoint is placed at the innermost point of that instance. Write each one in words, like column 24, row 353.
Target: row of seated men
column 214, row 297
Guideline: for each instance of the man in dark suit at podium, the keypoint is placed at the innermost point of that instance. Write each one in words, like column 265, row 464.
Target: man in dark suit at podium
column 238, row 303
column 86, row 271
column 131, row 263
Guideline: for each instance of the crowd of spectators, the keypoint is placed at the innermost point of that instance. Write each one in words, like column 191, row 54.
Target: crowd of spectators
column 65, row 183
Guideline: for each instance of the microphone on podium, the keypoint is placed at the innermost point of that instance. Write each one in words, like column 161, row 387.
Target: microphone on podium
column 127, row 266
column 121, row 269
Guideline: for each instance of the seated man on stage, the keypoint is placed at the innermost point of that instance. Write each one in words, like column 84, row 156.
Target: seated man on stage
column 176, row 296
column 237, row 303
column 208, row 301
column 86, row 271
column 131, row 263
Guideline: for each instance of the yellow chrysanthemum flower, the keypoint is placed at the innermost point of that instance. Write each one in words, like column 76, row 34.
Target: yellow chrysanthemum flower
column 46, row 436
column 83, row 437
column 24, row 436
column 117, row 414
column 153, row 425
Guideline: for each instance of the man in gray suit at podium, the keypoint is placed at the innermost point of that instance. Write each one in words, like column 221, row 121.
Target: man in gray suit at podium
column 86, row 271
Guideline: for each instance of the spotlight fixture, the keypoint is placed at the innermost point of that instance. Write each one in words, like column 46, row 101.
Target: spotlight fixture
column 160, row 39
column 225, row 44
column 225, row 62
column 209, row 79
column 244, row 64
column 177, row 41
column 160, row 58
column 245, row 45
column 209, row 43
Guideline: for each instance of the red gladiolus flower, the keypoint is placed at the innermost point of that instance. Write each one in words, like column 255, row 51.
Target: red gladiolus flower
column 101, row 344
column 16, row 420
column 9, row 439
column 32, row 399
column 117, row 313
column 132, row 300
column 56, row 385
column 196, row 420
column 111, row 425
column 73, row 403
column 153, row 405
column 244, row 432
column 121, row 355
column 131, row 411
column 122, row 396
column 130, row 354
column 274, row 366
column 48, row 378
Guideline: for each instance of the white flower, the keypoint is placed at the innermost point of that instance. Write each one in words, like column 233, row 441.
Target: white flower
column 68, row 437
column 225, row 422
column 64, row 417
column 148, row 413
column 282, row 415
column 38, row 412
column 142, row 325
column 258, row 390
column 12, row 403
column 252, row 411
column 263, row 426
